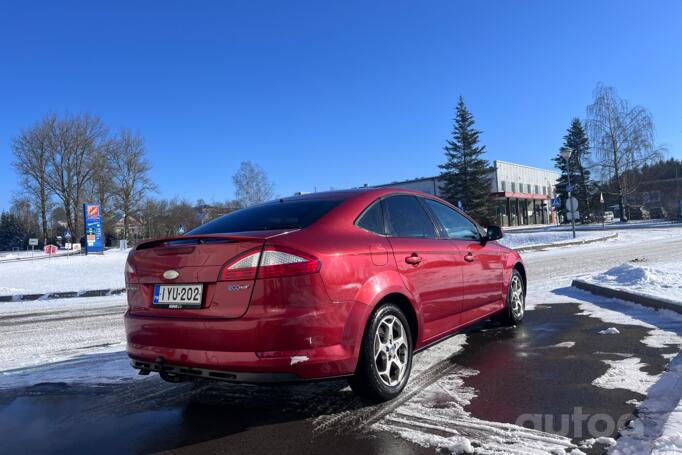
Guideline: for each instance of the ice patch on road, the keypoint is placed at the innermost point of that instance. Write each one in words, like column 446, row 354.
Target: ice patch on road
column 609, row 331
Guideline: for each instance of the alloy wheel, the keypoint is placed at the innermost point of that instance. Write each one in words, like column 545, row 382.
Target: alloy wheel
column 517, row 298
column 391, row 350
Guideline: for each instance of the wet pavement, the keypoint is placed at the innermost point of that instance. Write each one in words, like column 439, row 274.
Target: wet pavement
column 544, row 367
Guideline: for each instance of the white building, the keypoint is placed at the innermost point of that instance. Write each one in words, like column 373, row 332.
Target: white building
column 522, row 194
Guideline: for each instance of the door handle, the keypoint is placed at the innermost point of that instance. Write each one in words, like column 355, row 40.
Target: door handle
column 469, row 257
column 414, row 259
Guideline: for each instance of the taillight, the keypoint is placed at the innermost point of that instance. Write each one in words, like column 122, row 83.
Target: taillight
column 270, row 263
column 129, row 270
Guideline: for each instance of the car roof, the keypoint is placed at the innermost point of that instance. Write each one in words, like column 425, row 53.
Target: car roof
column 350, row 193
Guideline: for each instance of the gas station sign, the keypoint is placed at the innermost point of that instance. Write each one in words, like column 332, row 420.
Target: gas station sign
column 92, row 218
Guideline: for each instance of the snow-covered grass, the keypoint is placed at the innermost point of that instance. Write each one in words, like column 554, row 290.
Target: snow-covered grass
column 69, row 273
column 663, row 281
column 525, row 239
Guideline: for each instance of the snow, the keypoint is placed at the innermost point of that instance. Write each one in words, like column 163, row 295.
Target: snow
column 41, row 332
column 589, row 443
column 626, row 374
column 67, row 273
column 660, row 281
column 609, row 331
column 102, row 368
column 670, row 441
column 525, row 239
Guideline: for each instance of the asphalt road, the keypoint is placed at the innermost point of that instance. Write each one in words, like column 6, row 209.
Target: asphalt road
column 544, row 367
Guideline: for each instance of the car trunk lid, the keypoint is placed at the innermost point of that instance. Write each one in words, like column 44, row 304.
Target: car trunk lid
column 192, row 260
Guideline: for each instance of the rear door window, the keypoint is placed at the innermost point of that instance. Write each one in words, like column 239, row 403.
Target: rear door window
column 405, row 217
column 285, row 214
column 372, row 219
column 456, row 226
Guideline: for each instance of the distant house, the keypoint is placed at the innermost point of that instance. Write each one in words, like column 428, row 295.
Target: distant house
column 521, row 194
column 661, row 198
column 135, row 228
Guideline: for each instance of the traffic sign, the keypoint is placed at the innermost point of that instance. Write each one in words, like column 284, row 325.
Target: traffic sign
column 572, row 204
column 556, row 202
column 33, row 242
column 569, row 188
column 67, row 235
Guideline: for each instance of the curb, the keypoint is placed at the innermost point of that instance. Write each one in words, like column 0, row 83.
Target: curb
column 558, row 245
column 61, row 295
column 651, row 302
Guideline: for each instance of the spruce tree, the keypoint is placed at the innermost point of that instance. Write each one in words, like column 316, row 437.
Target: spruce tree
column 11, row 233
column 465, row 173
column 576, row 140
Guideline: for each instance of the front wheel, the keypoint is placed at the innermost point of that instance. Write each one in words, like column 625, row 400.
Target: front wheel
column 385, row 358
column 515, row 308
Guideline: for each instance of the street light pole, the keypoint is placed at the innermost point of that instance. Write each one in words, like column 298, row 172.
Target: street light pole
column 566, row 154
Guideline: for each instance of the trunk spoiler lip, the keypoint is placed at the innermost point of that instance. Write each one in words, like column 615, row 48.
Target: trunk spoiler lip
column 227, row 236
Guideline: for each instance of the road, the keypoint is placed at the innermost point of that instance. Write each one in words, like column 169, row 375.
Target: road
column 483, row 387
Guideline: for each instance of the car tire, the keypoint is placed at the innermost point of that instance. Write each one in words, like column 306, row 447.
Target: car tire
column 385, row 359
column 515, row 307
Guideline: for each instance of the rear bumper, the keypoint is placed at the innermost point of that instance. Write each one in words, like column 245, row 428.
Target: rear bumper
column 218, row 375
column 294, row 345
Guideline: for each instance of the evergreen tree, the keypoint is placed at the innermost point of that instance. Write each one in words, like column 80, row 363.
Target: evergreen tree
column 466, row 171
column 11, row 233
column 576, row 140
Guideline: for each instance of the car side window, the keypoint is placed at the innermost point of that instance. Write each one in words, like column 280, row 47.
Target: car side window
column 372, row 219
column 456, row 226
column 405, row 217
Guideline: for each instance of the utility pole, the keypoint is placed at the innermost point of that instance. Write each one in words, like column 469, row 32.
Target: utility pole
column 566, row 154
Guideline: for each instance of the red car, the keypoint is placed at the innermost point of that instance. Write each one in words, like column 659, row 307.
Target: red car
column 343, row 283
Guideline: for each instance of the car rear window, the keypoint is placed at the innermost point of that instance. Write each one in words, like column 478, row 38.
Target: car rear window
column 272, row 215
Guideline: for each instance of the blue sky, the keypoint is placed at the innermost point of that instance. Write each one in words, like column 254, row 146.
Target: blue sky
column 331, row 94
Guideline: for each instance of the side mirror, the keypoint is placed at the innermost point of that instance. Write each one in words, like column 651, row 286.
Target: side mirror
column 494, row 233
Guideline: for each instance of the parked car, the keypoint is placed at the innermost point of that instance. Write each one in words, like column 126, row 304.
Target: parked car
column 336, row 284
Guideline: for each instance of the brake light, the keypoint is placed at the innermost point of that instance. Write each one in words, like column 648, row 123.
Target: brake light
column 270, row 263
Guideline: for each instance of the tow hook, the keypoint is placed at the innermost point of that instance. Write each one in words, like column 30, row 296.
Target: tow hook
column 144, row 372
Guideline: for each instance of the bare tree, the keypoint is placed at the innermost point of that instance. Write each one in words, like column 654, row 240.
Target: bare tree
column 252, row 185
column 622, row 137
column 76, row 144
column 130, row 179
column 31, row 160
column 163, row 218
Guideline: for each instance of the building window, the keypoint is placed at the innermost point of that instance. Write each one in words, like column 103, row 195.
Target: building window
column 544, row 190
column 529, row 190
column 503, row 186
column 537, row 189
column 513, row 187
column 520, row 187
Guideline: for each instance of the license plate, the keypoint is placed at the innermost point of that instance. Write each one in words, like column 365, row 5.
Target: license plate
column 178, row 295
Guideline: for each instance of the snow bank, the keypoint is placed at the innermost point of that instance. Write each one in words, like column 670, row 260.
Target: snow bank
column 72, row 273
column 660, row 281
column 525, row 239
